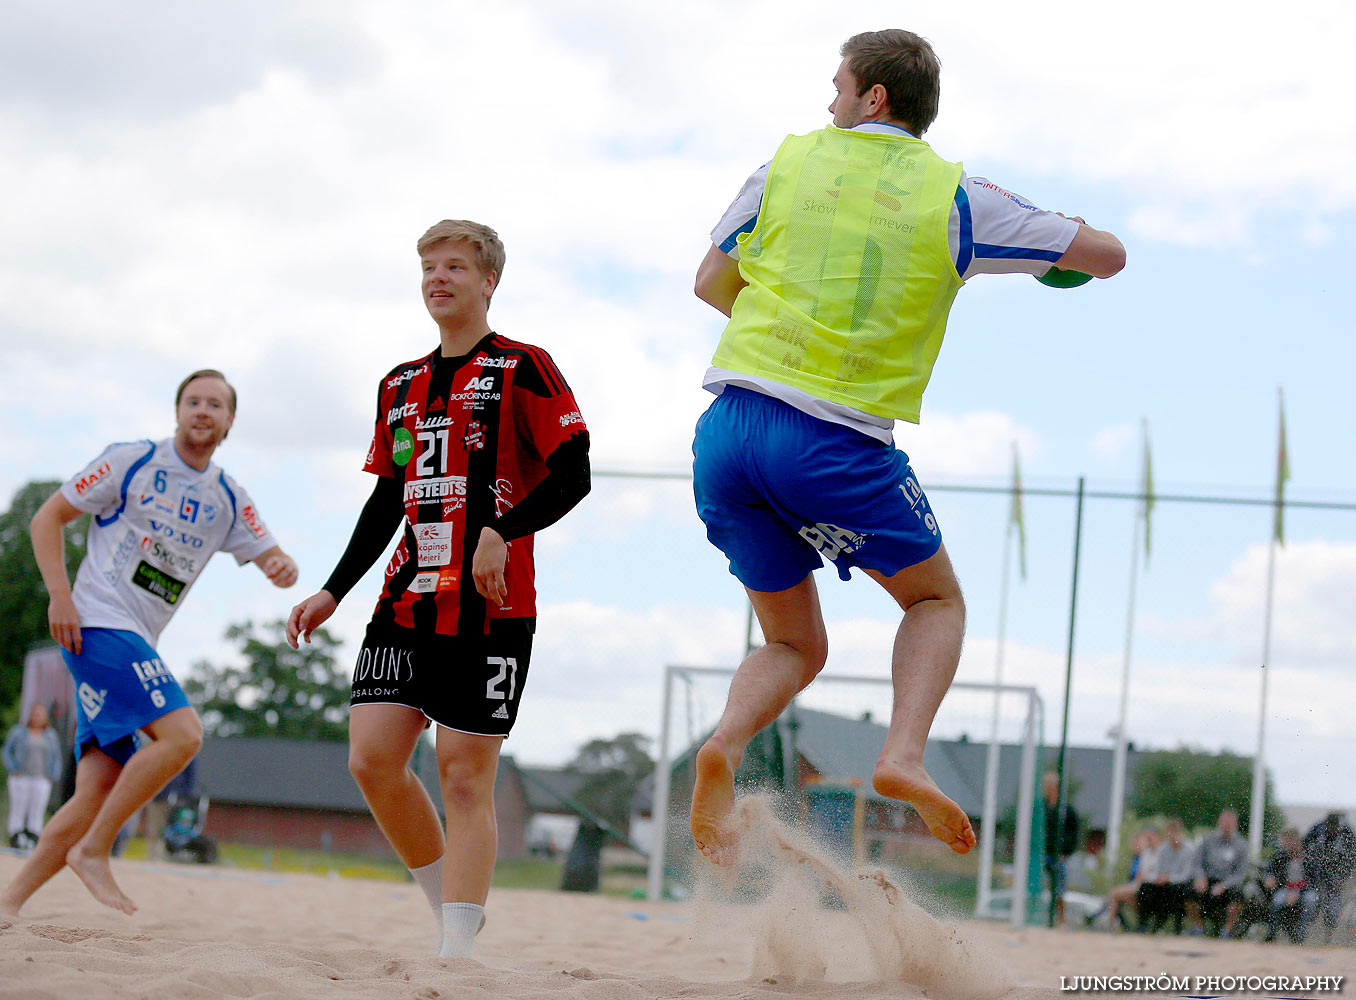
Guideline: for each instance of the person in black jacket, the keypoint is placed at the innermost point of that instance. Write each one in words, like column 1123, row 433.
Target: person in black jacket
column 1330, row 846
column 1061, row 840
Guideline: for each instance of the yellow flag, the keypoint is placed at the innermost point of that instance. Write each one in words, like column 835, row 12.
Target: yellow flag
column 1015, row 516
column 1282, row 474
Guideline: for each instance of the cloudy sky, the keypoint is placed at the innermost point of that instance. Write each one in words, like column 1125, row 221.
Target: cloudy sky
column 241, row 185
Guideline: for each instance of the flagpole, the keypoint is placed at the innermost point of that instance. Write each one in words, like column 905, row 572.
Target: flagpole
column 988, row 823
column 1259, row 780
column 1257, row 813
column 1118, row 760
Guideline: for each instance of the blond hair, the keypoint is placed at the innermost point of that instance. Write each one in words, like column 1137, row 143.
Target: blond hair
column 488, row 247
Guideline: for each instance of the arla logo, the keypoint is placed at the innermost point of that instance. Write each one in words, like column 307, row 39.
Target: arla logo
column 485, row 384
column 92, row 477
column 402, row 446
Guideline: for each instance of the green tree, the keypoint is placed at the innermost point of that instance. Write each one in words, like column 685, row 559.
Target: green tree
column 612, row 770
column 23, row 598
column 1195, row 786
column 295, row 694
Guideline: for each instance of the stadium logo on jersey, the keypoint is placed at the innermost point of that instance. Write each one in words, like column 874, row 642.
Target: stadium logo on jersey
column 435, row 489
column 485, row 384
column 487, row 362
column 402, row 446
column 91, row 701
column 398, row 413
column 429, row 423
column 437, row 404
column 573, row 417
column 89, row 479
column 252, row 520
column 391, row 383
column 175, row 535
column 474, row 438
column 188, row 509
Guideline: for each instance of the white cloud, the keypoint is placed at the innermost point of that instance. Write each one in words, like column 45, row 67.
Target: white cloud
column 1312, row 605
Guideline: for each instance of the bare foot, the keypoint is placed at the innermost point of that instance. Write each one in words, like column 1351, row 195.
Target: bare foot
column 8, row 910
column 712, row 804
column 94, row 871
column 909, row 782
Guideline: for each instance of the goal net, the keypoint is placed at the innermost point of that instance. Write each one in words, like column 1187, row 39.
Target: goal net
column 816, row 761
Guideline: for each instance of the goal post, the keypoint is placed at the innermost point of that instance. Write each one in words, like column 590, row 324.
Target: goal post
column 818, row 757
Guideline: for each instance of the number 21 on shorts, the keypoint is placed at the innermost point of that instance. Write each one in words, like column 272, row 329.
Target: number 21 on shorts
column 508, row 670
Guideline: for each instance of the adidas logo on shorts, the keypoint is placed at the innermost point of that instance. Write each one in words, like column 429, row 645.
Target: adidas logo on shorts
column 500, row 713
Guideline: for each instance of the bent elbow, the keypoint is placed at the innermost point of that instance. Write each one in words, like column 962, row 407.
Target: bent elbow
column 1114, row 261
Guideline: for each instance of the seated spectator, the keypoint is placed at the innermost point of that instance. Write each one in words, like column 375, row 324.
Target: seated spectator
column 1293, row 899
column 1083, row 899
column 1330, row 850
column 1143, row 863
column 1165, row 897
column 1221, row 868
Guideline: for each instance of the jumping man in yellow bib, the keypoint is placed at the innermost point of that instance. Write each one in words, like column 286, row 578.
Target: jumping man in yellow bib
column 837, row 265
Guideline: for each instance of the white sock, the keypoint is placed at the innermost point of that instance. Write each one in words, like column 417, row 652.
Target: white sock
column 461, row 922
column 430, row 879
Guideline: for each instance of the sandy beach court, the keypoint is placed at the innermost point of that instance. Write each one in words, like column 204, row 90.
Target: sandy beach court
column 217, row 932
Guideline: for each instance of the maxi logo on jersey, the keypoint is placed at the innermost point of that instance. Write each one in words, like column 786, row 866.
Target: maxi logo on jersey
column 93, row 476
column 435, row 489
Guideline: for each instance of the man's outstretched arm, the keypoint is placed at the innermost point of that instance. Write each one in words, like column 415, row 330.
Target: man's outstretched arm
column 1093, row 251
column 718, row 280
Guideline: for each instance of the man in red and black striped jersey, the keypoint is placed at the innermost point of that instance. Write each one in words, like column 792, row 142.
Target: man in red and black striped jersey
column 477, row 446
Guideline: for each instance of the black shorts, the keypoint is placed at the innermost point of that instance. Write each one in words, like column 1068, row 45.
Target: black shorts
column 469, row 683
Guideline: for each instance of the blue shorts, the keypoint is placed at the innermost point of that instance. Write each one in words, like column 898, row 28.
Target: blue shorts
column 121, row 684
column 780, row 490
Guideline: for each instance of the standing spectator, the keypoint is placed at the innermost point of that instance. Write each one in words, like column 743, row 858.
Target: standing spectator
column 1293, row 899
column 1221, row 869
column 1330, row 848
column 1164, row 898
column 32, row 757
column 1060, row 842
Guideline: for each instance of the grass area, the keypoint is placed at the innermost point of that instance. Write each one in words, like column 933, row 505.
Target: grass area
column 516, row 873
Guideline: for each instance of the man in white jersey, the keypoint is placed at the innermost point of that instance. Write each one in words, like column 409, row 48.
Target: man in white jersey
column 160, row 511
column 837, row 265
